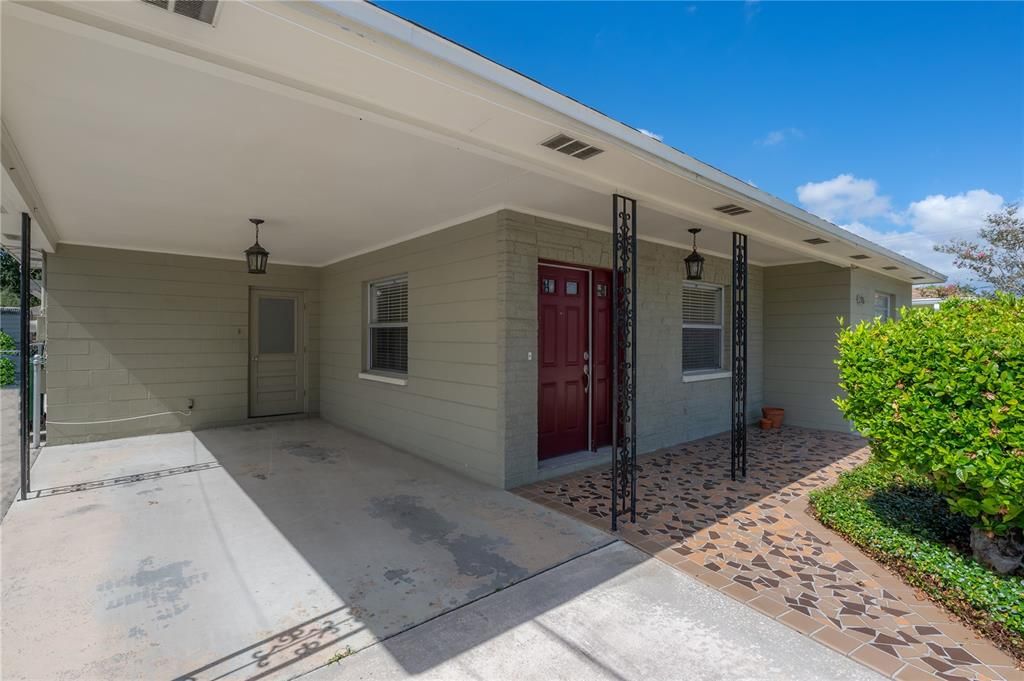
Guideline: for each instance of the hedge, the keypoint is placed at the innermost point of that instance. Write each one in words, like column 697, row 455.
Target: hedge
column 942, row 392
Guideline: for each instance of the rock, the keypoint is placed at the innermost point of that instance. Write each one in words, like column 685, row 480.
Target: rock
column 1002, row 554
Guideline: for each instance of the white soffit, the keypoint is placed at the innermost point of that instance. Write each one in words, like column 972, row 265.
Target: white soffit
column 151, row 131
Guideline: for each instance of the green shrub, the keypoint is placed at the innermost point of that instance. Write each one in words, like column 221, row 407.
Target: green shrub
column 6, row 363
column 942, row 392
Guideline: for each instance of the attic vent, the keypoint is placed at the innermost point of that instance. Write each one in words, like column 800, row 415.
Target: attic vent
column 816, row 241
column 200, row 10
column 917, row 277
column 859, row 256
column 572, row 147
column 732, row 209
column 890, row 267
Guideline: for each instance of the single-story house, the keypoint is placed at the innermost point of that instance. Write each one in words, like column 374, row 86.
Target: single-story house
column 463, row 263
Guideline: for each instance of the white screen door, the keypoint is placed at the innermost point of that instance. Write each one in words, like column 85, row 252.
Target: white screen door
column 275, row 353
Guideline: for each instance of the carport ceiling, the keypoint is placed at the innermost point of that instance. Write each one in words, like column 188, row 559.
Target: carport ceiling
column 133, row 145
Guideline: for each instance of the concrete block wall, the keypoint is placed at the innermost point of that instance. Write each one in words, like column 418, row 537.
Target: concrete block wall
column 447, row 412
column 132, row 333
column 669, row 411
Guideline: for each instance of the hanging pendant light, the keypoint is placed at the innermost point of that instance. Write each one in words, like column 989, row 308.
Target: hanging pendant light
column 256, row 256
column 694, row 261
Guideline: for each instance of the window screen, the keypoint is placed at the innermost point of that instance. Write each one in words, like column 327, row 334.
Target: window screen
column 702, row 328
column 388, row 332
column 277, row 326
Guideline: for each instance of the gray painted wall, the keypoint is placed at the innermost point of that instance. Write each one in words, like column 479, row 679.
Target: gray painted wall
column 133, row 333
column 448, row 411
column 669, row 411
column 803, row 305
column 865, row 284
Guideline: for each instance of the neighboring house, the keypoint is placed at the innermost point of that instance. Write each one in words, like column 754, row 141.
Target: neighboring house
column 440, row 237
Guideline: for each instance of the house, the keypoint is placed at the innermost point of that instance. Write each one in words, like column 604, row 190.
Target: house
column 463, row 263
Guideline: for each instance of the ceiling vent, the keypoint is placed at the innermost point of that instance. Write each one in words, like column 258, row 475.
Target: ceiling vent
column 890, row 267
column 572, row 147
column 816, row 241
column 732, row 209
column 917, row 278
column 200, row 10
column 859, row 256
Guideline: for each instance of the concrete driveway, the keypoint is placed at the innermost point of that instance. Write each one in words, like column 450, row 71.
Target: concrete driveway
column 641, row 621
column 252, row 552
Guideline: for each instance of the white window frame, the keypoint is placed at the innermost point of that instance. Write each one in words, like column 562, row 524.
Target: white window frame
column 890, row 301
column 706, row 374
column 382, row 375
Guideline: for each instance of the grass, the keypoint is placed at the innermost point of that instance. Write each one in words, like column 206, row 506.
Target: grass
column 899, row 519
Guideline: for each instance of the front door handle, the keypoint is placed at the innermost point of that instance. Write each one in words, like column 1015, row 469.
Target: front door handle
column 586, row 380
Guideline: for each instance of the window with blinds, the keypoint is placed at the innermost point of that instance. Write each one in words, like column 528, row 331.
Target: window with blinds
column 702, row 328
column 388, row 327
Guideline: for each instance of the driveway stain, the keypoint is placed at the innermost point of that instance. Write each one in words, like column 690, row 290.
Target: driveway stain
column 474, row 555
column 307, row 449
column 161, row 588
column 81, row 510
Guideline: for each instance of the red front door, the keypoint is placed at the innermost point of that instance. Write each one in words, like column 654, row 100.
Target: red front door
column 563, row 307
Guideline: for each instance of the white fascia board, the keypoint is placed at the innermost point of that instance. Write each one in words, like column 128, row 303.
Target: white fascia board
column 668, row 158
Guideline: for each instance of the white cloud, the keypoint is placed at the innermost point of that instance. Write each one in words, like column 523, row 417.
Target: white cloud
column 844, row 197
column 961, row 214
column 776, row 137
column 652, row 135
column 935, row 220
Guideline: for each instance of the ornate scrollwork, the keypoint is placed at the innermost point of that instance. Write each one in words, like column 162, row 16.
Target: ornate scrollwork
column 738, row 459
column 624, row 269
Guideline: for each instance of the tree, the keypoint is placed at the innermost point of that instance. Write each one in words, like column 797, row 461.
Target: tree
column 944, row 291
column 10, row 281
column 999, row 260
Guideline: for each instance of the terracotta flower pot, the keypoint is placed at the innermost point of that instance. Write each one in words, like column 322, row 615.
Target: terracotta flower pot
column 774, row 414
column 765, row 424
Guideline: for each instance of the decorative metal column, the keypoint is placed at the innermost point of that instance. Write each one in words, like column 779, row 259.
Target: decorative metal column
column 738, row 459
column 24, row 347
column 623, row 358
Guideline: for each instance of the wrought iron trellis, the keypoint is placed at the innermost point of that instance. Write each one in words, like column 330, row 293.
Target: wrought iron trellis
column 24, row 345
column 623, row 358
column 738, row 459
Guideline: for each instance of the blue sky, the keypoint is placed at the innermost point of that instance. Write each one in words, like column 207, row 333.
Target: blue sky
column 901, row 121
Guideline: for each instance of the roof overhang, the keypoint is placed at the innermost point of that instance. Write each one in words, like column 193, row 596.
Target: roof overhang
column 391, row 130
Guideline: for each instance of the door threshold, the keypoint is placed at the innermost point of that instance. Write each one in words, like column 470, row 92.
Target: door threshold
column 568, row 463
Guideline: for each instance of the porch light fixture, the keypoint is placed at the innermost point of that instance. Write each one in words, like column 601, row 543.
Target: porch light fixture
column 694, row 261
column 256, row 256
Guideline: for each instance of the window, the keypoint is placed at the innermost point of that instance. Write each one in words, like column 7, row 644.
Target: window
column 702, row 328
column 388, row 327
column 883, row 306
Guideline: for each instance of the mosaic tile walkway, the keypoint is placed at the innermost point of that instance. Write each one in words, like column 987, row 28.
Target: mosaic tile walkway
column 754, row 541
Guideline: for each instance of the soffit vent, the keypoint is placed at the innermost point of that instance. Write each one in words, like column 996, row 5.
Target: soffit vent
column 816, row 241
column 917, row 277
column 572, row 147
column 859, row 256
column 200, row 10
column 890, row 267
column 732, row 209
